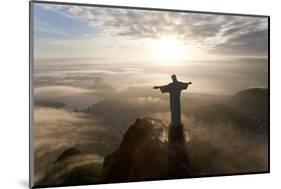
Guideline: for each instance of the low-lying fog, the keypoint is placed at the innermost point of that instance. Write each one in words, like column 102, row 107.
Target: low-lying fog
column 91, row 109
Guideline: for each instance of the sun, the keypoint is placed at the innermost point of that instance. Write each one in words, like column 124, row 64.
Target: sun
column 168, row 50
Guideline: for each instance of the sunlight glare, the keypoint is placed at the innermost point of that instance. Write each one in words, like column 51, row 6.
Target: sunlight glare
column 169, row 50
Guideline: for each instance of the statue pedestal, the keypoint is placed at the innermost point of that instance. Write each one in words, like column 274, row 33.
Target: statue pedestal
column 178, row 161
column 176, row 134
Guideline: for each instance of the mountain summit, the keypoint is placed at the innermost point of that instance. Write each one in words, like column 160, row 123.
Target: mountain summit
column 144, row 154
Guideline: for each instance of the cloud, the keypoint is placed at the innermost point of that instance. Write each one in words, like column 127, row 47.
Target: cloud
column 217, row 33
column 75, row 10
column 51, row 30
column 254, row 42
column 102, row 125
column 216, row 77
column 57, row 91
column 72, row 97
column 56, row 130
column 52, row 6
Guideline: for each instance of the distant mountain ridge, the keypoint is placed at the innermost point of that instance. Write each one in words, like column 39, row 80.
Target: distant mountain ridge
column 254, row 101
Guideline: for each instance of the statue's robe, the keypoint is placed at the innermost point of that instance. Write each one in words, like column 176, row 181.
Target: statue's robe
column 175, row 89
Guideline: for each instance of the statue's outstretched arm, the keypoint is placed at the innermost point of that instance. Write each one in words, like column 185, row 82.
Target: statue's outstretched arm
column 159, row 87
column 185, row 85
column 156, row 87
column 163, row 88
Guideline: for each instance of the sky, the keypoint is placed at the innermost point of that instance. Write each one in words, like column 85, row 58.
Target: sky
column 220, row 53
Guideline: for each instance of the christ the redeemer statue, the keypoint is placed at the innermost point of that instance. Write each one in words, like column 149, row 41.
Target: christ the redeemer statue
column 174, row 89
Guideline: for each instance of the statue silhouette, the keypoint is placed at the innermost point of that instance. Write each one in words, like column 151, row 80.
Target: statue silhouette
column 174, row 89
column 176, row 136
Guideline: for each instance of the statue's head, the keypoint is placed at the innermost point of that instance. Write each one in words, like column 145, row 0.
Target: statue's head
column 174, row 78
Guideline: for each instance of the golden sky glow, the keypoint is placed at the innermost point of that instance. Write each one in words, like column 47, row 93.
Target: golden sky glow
column 168, row 50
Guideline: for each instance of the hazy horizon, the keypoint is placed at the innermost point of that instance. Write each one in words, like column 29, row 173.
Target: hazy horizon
column 220, row 54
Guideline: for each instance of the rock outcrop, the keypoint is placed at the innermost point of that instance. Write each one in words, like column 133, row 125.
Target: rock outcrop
column 143, row 155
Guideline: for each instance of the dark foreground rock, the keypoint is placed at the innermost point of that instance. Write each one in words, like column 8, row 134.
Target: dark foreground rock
column 150, row 151
column 142, row 155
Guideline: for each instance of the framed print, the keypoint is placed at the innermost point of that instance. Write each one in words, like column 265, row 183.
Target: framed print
column 126, row 94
